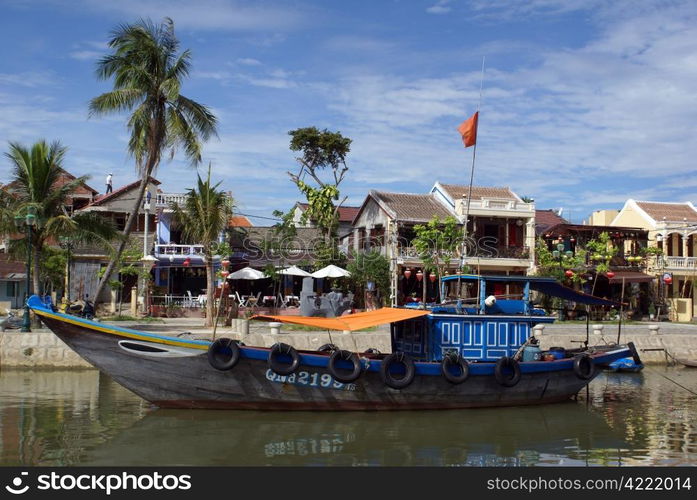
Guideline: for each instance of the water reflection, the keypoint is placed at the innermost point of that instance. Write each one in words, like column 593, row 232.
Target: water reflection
column 64, row 418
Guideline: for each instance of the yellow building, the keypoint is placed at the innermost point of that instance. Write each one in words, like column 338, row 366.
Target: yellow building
column 672, row 228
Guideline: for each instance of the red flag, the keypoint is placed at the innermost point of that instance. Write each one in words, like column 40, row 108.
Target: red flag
column 468, row 130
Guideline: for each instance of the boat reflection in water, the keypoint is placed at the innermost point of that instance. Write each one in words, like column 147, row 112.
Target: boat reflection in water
column 524, row 436
column 83, row 418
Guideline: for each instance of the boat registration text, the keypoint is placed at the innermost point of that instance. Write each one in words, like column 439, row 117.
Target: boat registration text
column 323, row 380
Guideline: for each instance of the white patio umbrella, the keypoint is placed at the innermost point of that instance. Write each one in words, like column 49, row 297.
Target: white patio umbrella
column 247, row 273
column 331, row 271
column 294, row 271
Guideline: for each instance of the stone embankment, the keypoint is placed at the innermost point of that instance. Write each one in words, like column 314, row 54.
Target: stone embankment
column 42, row 349
column 655, row 342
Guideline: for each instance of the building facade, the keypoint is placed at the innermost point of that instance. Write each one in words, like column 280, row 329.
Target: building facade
column 672, row 229
column 500, row 233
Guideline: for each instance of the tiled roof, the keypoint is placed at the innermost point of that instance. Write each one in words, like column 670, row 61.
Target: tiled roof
column 346, row 214
column 411, row 207
column 106, row 197
column 457, row 191
column 9, row 267
column 547, row 219
column 64, row 178
column 239, row 221
column 671, row 211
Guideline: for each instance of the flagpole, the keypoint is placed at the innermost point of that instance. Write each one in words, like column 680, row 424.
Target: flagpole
column 469, row 192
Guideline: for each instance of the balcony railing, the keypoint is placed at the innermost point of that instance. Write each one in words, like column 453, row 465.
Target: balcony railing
column 680, row 262
column 495, row 204
column 178, row 250
column 493, row 253
column 166, row 199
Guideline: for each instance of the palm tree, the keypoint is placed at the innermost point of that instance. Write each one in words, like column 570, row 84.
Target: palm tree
column 202, row 219
column 36, row 183
column 148, row 74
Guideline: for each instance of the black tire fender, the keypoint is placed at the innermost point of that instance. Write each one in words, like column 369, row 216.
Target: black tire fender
column 504, row 365
column 388, row 377
column 584, row 367
column 341, row 374
column 280, row 349
column 327, row 348
column 223, row 354
column 454, row 359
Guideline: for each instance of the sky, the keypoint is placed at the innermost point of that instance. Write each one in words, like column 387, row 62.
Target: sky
column 584, row 103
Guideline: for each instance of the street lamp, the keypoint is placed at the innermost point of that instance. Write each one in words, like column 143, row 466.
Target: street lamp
column 25, row 225
column 559, row 254
column 66, row 243
column 148, row 263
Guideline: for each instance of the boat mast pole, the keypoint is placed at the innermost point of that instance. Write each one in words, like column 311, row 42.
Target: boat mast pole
column 619, row 324
column 469, row 192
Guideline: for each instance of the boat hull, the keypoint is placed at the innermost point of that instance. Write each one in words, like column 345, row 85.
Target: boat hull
column 180, row 376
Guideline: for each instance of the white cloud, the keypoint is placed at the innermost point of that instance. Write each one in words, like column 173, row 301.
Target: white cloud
column 440, row 7
column 209, row 14
column 602, row 121
column 358, row 43
column 85, row 55
column 248, row 61
column 30, row 79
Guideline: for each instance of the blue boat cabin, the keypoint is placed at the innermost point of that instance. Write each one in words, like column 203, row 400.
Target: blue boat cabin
column 482, row 323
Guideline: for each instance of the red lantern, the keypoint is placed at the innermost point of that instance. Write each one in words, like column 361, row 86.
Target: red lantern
column 419, row 275
column 432, row 277
column 569, row 273
column 187, row 262
column 225, row 263
column 610, row 274
column 407, row 273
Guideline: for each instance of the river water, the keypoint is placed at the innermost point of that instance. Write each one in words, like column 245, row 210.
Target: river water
column 84, row 418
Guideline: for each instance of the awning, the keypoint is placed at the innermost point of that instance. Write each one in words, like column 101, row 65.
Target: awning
column 351, row 322
column 558, row 290
column 631, row 277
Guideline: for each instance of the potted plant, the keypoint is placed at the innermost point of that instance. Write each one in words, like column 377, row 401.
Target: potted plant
column 652, row 311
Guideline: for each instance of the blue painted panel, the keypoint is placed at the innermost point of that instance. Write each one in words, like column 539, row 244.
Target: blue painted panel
column 490, row 333
column 496, row 353
column 472, row 353
column 478, row 329
column 445, row 333
column 503, row 334
column 467, row 333
column 455, row 337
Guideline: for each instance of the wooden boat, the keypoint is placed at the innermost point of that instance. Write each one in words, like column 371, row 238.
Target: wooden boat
column 430, row 366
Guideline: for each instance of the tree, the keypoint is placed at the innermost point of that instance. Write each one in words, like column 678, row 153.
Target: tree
column 36, row 182
column 148, row 74
column 203, row 218
column 320, row 150
column 556, row 267
column 371, row 266
column 437, row 243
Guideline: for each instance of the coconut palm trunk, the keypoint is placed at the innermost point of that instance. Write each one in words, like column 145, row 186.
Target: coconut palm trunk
column 210, row 292
column 202, row 218
column 148, row 73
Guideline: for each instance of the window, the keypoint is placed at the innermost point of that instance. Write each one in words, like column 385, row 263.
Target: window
column 11, row 289
column 120, row 222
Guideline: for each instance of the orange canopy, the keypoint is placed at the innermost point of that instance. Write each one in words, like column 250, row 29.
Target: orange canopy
column 351, row 322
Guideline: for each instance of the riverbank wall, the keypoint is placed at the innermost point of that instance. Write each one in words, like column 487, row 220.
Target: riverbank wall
column 42, row 349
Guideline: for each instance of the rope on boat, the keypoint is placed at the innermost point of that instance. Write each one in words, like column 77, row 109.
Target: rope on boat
column 676, row 383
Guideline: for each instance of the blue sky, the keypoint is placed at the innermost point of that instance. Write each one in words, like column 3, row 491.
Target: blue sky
column 585, row 104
